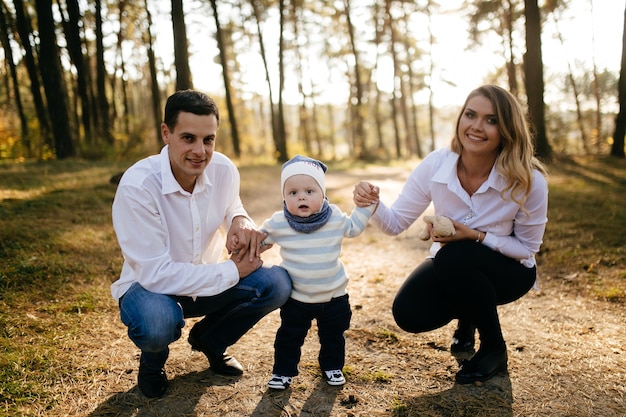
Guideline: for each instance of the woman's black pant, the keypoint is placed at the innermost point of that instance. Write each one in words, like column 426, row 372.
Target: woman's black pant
column 465, row 280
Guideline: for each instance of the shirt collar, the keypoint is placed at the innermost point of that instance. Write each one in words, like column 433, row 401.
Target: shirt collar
column 446, row 173
column 170, row 185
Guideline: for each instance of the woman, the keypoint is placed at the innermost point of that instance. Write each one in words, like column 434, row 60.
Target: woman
column 495, row 191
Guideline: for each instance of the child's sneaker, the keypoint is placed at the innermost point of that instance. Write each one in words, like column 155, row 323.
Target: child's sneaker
column 279, row 382
column 334, row 377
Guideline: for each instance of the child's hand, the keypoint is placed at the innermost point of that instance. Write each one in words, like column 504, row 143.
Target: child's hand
column 232, row 244
column 365, row 194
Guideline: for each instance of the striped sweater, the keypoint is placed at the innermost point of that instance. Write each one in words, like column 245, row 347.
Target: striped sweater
column 312, row 259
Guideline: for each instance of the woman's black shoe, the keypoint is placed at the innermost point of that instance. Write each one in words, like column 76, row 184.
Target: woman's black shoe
column 482, row 366
column 462, row 346
column 462, row 341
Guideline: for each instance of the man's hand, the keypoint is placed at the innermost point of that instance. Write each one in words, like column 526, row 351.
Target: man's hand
column 244, row 239
column 246, row 266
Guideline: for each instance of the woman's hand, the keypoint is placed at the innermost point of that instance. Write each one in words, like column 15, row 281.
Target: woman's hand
column 365, row 194
column 463, row 232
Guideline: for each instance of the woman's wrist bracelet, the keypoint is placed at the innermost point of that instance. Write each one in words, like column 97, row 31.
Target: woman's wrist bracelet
column 478, row 237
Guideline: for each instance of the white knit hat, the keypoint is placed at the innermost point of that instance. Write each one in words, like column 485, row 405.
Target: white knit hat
column 304, row 165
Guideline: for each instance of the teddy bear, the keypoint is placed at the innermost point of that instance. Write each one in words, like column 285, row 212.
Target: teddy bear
column 442, row 227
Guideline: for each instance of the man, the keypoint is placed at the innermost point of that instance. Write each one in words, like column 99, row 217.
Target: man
column 167, row 213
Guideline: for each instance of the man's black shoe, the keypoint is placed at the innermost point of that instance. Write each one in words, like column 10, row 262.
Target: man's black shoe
column 152, row 383
column 221, row 363
column 224, row 364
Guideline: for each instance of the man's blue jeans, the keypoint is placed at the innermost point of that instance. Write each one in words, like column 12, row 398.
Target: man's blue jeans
column 155, row 320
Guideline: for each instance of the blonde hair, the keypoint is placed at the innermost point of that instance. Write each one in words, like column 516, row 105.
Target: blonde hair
column 516, row 159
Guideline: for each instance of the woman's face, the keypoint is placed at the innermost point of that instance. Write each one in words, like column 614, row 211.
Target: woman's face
column 478, row 127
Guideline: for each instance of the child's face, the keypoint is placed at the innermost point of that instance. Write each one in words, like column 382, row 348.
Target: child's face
column 303, row 195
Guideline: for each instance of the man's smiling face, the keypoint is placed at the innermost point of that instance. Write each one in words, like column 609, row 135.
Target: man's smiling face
column 191, row 145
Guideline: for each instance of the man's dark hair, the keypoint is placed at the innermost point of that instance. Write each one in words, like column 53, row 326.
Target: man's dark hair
column 188, row 101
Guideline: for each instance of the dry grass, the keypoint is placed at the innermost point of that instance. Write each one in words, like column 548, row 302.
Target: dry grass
column 64, row 351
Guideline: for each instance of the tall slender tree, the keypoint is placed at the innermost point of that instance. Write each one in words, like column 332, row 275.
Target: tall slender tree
column 399, row 102
column 120, row 62
column 431, row 69
column 411, row 81
column 596, row 90
column 25, row 31
column 257, row 10
column 17, row 97
column 281, row 131
column 75, row 48
column 181, row 47
column 304, row 128
column 157, row 113
column 617, row 148
column 226, row 77
column 104, row 119
column 53, row 82
column 357, row 108
column 498, row 16
column 533, row 69
column 575, row 93
column 379, row 28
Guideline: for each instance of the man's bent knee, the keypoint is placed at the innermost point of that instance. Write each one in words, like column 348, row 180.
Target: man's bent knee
column 151, row 336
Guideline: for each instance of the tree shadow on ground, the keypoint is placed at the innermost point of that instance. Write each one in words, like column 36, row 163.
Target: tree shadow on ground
column 493, row 398
column 181, row 398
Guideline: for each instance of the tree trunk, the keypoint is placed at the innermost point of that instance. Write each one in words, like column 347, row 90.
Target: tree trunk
column 431, row 106
column 181, row 50
column 412, row 117
column 227, row 85
column 379, row 22
column 510, row 64
column 25, row 30
column 360, row 149
column 533, row 69
column 304, row 132
column 157, row 113
column 256, row 8
column 596, row 90
column 121, row 35
column 575, row 93
column 103, row 103
column 75, row 49
column 6, row 45
column 53, row 82
column 617, row 148
column 281, row 133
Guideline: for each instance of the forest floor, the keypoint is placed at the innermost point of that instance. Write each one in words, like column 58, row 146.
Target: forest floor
column 567, row 348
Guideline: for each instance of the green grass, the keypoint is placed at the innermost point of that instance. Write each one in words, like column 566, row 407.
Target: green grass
column 585, row 241
column 58, row 256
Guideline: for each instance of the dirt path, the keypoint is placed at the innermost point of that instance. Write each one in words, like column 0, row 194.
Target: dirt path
column 566, row 353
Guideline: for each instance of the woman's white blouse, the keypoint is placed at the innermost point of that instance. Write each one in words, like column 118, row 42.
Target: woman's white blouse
column 509, row 230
